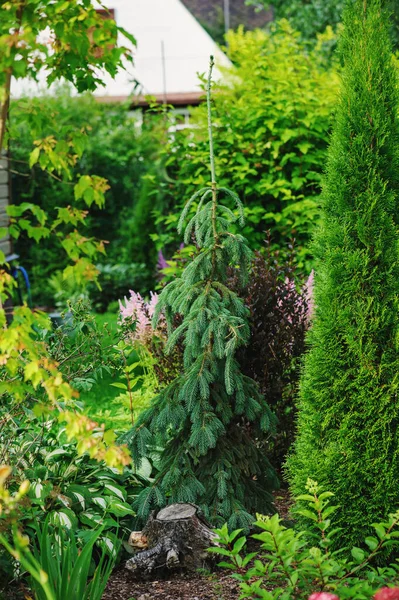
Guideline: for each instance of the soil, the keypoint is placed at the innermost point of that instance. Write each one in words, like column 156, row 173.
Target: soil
column 214, row 586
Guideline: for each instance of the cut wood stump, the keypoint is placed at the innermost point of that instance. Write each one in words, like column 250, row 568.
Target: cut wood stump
column 176, row 537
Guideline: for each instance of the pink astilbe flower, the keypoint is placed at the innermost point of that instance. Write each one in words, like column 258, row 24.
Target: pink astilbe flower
column 135, row 308
column 310, row 295
column 152, row 304
column 387, row 593
column 323, row 596
column 141, row 312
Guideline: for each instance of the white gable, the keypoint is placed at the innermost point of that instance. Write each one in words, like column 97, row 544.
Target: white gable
column 171, row 49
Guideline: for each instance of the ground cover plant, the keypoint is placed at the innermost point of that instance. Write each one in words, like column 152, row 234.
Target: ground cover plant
column 348, row 412
column 207, row 420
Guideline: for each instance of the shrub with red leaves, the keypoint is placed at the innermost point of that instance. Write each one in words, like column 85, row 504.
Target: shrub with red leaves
column 278, row 323
column 387, row 593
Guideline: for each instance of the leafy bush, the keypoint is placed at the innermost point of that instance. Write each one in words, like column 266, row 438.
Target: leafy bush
column 72, row 491
column 117, row 150
column 68, row 484
column 79, row 493
column 272, row 116
column 291, row 564
column 278, row 321
column 348, row 427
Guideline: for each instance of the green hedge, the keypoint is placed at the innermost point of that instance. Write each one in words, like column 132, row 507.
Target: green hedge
column 348, row 429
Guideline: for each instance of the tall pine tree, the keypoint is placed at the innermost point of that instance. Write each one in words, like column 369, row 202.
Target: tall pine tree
column 348, row 429
column 209, row 422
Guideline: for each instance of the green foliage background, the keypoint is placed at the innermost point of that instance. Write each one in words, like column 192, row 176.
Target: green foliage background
column 313, row 16
column 116, row 148
column 272, row 117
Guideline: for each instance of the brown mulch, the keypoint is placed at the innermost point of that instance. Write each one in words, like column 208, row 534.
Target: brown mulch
column 215, row 586
column 207, row 587
column 283, row 502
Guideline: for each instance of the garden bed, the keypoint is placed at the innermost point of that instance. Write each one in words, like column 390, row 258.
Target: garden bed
column 208, row 586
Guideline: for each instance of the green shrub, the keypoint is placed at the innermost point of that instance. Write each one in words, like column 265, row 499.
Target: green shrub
column 348, row 409
column 115, row 148
column 291, row 564
column 272, row 116
column 67, row 484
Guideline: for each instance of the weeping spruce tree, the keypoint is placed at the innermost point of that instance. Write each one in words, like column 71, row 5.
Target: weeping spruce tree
column 348, row 429
column 209, row 422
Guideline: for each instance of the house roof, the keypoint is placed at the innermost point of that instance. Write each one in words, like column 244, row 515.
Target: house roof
column 172, row 48
column 210, row 14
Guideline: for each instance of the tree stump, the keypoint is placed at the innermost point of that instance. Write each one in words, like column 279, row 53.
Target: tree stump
column 176, row 537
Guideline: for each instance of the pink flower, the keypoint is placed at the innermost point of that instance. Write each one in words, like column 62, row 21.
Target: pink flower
column 141, row 313
column 387, row 593
column 152, row 304
column 323, row 596
column 310, row 295
column 135, row 307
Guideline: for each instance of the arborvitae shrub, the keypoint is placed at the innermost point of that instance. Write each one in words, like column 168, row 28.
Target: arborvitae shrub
column 348, row 427
column 278, row 320
column 208, row 424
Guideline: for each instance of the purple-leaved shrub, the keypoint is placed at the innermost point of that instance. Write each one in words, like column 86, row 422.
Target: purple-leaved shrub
column 279, row 318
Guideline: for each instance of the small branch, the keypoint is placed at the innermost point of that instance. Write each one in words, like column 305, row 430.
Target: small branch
column 129, row 387
column 5, row 103
column 4, row 107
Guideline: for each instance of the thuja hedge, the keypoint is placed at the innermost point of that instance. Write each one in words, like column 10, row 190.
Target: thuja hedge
column 348, row 429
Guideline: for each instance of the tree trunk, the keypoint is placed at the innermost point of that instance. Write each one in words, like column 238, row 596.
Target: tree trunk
column 176, row 538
